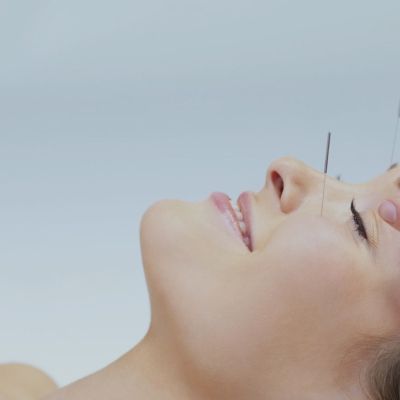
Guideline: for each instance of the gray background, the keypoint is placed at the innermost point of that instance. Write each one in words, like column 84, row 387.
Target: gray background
column 107, row 107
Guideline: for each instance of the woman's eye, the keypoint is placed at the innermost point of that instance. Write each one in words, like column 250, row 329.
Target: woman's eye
column 358, row 222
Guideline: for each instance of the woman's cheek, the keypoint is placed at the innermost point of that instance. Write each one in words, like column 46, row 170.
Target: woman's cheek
column 318, row 269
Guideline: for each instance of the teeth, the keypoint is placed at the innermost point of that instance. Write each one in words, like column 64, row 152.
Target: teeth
column 237, row 210
column 242, row 227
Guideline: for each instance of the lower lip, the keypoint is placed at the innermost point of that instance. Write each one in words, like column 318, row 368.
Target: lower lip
column 222, row 202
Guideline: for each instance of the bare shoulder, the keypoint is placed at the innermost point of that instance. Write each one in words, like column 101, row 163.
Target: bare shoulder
column 23, row 381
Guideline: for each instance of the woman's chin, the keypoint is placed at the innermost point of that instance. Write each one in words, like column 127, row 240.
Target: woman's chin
column 182, row 232
column 166, row 228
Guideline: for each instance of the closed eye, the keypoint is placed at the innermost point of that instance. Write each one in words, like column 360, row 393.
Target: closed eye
column 358, row 222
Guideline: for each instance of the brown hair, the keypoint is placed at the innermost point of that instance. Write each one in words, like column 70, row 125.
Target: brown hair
column 382, row 377
column 375, row 361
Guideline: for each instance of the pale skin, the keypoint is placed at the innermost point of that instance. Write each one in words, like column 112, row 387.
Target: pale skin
column 24, row 382
column 275, row 323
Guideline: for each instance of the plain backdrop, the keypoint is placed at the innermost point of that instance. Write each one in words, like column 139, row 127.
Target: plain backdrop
column 107, row 107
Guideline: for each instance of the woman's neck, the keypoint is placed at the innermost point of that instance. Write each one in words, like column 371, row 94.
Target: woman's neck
column 150, row 371
column 145, row 372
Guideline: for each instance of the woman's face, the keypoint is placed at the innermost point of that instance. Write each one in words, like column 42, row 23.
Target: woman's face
column 311, row 287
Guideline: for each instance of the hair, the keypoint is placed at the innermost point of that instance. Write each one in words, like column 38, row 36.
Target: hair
column 382, row 377
column 376, row 362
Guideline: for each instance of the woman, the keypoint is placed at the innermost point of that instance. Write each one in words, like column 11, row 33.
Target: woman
column 308, row 307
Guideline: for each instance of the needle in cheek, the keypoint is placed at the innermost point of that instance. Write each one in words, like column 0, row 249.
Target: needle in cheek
column 388, row 211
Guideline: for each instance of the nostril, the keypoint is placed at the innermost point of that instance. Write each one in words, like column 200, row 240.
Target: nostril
column 277, row 182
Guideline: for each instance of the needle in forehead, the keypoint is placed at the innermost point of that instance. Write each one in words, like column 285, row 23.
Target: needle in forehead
column 396, row 131
column 328, row 144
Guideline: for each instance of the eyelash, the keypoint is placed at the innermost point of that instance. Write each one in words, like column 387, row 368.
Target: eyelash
column 358, row 222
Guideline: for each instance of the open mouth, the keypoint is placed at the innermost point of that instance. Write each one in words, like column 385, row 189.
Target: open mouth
column 237, row 216
column 241, row 223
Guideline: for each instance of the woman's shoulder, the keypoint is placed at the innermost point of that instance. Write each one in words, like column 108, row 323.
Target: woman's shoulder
column 23, row 381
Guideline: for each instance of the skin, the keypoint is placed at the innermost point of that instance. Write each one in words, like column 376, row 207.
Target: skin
column 24, row 382
column 282, row 322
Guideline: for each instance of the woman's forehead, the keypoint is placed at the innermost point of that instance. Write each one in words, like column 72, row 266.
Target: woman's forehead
column 387, row 181
column 393, row 166
column 394, row 172
column 391, row 177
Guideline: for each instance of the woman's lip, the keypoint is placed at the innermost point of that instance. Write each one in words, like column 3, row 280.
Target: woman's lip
column 244, row 202
column 222, row 202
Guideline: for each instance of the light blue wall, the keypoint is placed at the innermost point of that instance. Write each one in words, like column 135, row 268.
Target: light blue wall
column 107, row 107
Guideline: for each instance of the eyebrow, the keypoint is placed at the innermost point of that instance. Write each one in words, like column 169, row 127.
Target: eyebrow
column 392, row 166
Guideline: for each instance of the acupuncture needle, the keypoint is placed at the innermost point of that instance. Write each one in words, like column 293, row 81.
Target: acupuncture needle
column 328, row 144
column 396, row 132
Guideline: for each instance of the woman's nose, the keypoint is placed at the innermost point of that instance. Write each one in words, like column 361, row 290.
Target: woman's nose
column 292, row 181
